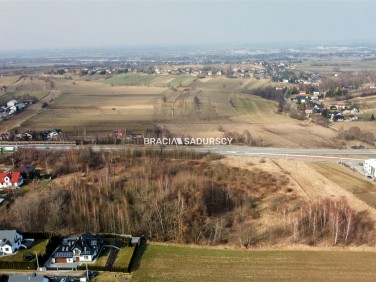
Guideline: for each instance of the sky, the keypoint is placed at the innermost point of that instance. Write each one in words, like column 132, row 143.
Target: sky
column 49, row 24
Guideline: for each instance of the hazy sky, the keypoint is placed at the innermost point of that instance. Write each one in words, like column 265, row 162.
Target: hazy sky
column 51, row 24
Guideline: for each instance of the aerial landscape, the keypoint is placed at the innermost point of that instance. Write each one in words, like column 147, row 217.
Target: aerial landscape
column 187, row 140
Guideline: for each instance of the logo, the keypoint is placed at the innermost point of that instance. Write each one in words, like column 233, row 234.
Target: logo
column 187, row 141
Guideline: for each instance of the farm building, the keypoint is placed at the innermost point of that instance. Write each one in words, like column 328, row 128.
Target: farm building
column 370, row 167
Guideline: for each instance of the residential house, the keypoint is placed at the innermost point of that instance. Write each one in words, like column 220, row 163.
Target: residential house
column 10, row 179
column 27, row 171
column 302, row 97
column 10, row 241
column 308, row 110
column 12, row 103
column 84, row 248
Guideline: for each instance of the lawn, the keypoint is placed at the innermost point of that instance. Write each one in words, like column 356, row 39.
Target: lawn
column 122, row 260
column 124, row 257
column 163, row 262
column 39, row 246
column 102, row 258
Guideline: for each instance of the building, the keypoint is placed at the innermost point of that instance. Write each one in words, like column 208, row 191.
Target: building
column 10, row 241
column 27, row 171
column 370, row 167
column 84, row 248
column 12, row 103
column 10, row 179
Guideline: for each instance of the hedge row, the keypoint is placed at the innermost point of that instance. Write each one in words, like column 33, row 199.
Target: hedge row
column 39, row 235
column 118, row 237
column 18, row 265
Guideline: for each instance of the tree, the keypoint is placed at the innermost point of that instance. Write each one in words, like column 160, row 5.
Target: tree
column 372, row 117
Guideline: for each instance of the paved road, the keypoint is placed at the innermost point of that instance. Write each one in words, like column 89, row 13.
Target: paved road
column 330, row 155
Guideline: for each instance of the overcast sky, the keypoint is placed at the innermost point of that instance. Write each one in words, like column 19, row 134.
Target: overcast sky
column 33, row 24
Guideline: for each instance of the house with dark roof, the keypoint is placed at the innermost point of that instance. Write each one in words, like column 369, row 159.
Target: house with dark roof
column 10, row 179
column 83, row 248
column 27, row 171
column 10, row 241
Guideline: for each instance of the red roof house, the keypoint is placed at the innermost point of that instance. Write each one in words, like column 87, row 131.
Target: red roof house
column 10, row 179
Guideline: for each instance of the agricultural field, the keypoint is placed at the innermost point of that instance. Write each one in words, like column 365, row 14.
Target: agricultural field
column 184, row 81
column 165, row 262
column 98, row 107
column 184, row 105
column 131, row 79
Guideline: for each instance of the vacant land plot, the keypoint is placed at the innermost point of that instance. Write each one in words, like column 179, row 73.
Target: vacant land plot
column 349, row 180
column 181, row 263
column 98, row 107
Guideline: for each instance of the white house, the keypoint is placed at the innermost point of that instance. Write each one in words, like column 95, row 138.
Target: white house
column 10, row 179
column 10, row 241
column 84, row 248
column 370, row 167
column 12, row 103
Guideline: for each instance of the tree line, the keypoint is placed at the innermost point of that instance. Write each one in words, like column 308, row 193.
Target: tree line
column 173, row 196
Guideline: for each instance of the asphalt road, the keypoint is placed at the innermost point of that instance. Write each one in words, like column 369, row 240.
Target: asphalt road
column 328, row 155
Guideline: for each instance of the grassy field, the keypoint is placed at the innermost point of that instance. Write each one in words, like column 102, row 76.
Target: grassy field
column 349, row 180
column 182, row 263
column 131, row 79
column 182, row 81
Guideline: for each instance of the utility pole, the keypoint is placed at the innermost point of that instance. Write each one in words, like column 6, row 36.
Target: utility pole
column 87, row 273
column 37, row 260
